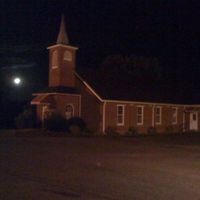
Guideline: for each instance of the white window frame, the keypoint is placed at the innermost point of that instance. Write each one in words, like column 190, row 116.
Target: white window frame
column 160, row 115
column 142, row 115
column 174, row 115
column 55, row 59
column 123, row 114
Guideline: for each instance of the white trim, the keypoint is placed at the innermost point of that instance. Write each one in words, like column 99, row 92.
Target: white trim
column 89, row 87
column 37, row 103
column 160, row 115
column 184, row 128
column 149, row 103
column 192, row 105
column 55, row 93
column 80, row 101
column 123, row 114
column 153, row 116
column 62, row 45
column 142, row 114
column 104, row 118
column 176, row 115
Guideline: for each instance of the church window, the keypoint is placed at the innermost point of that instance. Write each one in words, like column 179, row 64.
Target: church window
column 69, row 111
column 140, row 115
column 120, row 115
column 67, row 56
column 158, row 115
column 55, row 59
column 174, row 115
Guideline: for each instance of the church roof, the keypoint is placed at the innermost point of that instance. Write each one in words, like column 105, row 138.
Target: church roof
column 109, row 87
column 43, row 99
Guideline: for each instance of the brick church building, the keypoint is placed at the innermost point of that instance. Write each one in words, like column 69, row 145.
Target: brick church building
column 104, row 105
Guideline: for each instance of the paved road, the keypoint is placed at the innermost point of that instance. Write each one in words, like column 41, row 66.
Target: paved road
column 56, row 168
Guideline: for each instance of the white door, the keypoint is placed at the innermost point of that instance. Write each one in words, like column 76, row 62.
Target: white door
column 194, row 121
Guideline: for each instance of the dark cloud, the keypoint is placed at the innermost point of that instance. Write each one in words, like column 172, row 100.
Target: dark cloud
column 5, row 49
column 20, row 56
column 19, row 66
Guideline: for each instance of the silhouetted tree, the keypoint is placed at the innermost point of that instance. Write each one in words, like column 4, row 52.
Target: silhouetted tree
column 134, row 68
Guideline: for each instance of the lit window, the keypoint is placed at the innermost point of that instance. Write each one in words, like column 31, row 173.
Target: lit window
column 174, row 115
column 120, row 115
column 140, row 115
column 158, row 115
column 69, row 111
column 55, row 59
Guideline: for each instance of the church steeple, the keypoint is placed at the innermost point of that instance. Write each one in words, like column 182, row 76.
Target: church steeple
column 62, row 60
column 62, row 36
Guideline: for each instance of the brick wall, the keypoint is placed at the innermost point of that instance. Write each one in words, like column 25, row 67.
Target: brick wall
column 63, row 74
column 91, row 108
column 130, row 118
column 63, row 100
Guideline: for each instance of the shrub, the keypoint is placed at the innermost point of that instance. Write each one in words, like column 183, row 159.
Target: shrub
column 55, row 122
column 181, row 128
column 151, row 130
column 25, row 119
column 132, row 131
column 169, row 129
column 76, row 125
column 111, row 131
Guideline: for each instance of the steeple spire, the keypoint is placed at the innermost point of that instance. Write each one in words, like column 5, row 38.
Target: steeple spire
column 62, row 36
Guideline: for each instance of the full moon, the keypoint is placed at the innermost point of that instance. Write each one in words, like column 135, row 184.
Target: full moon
column 17, row 81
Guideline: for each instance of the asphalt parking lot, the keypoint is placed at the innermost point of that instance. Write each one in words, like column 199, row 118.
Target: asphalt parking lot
column 56, row 168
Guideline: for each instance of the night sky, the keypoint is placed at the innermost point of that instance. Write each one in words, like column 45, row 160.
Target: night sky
column 168, row 30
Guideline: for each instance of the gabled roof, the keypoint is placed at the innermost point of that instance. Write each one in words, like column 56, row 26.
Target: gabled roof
column 43, row 99
column 109, row 87
column 38, row 99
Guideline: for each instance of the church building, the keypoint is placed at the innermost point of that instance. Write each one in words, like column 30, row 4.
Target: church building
column 102, row 105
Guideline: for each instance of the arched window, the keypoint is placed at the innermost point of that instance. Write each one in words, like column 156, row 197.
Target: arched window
column 68, row 55
column 69, row 111
column 54, row 59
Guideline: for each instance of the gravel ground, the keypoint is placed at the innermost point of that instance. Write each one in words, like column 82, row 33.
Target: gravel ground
column 56, row 168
